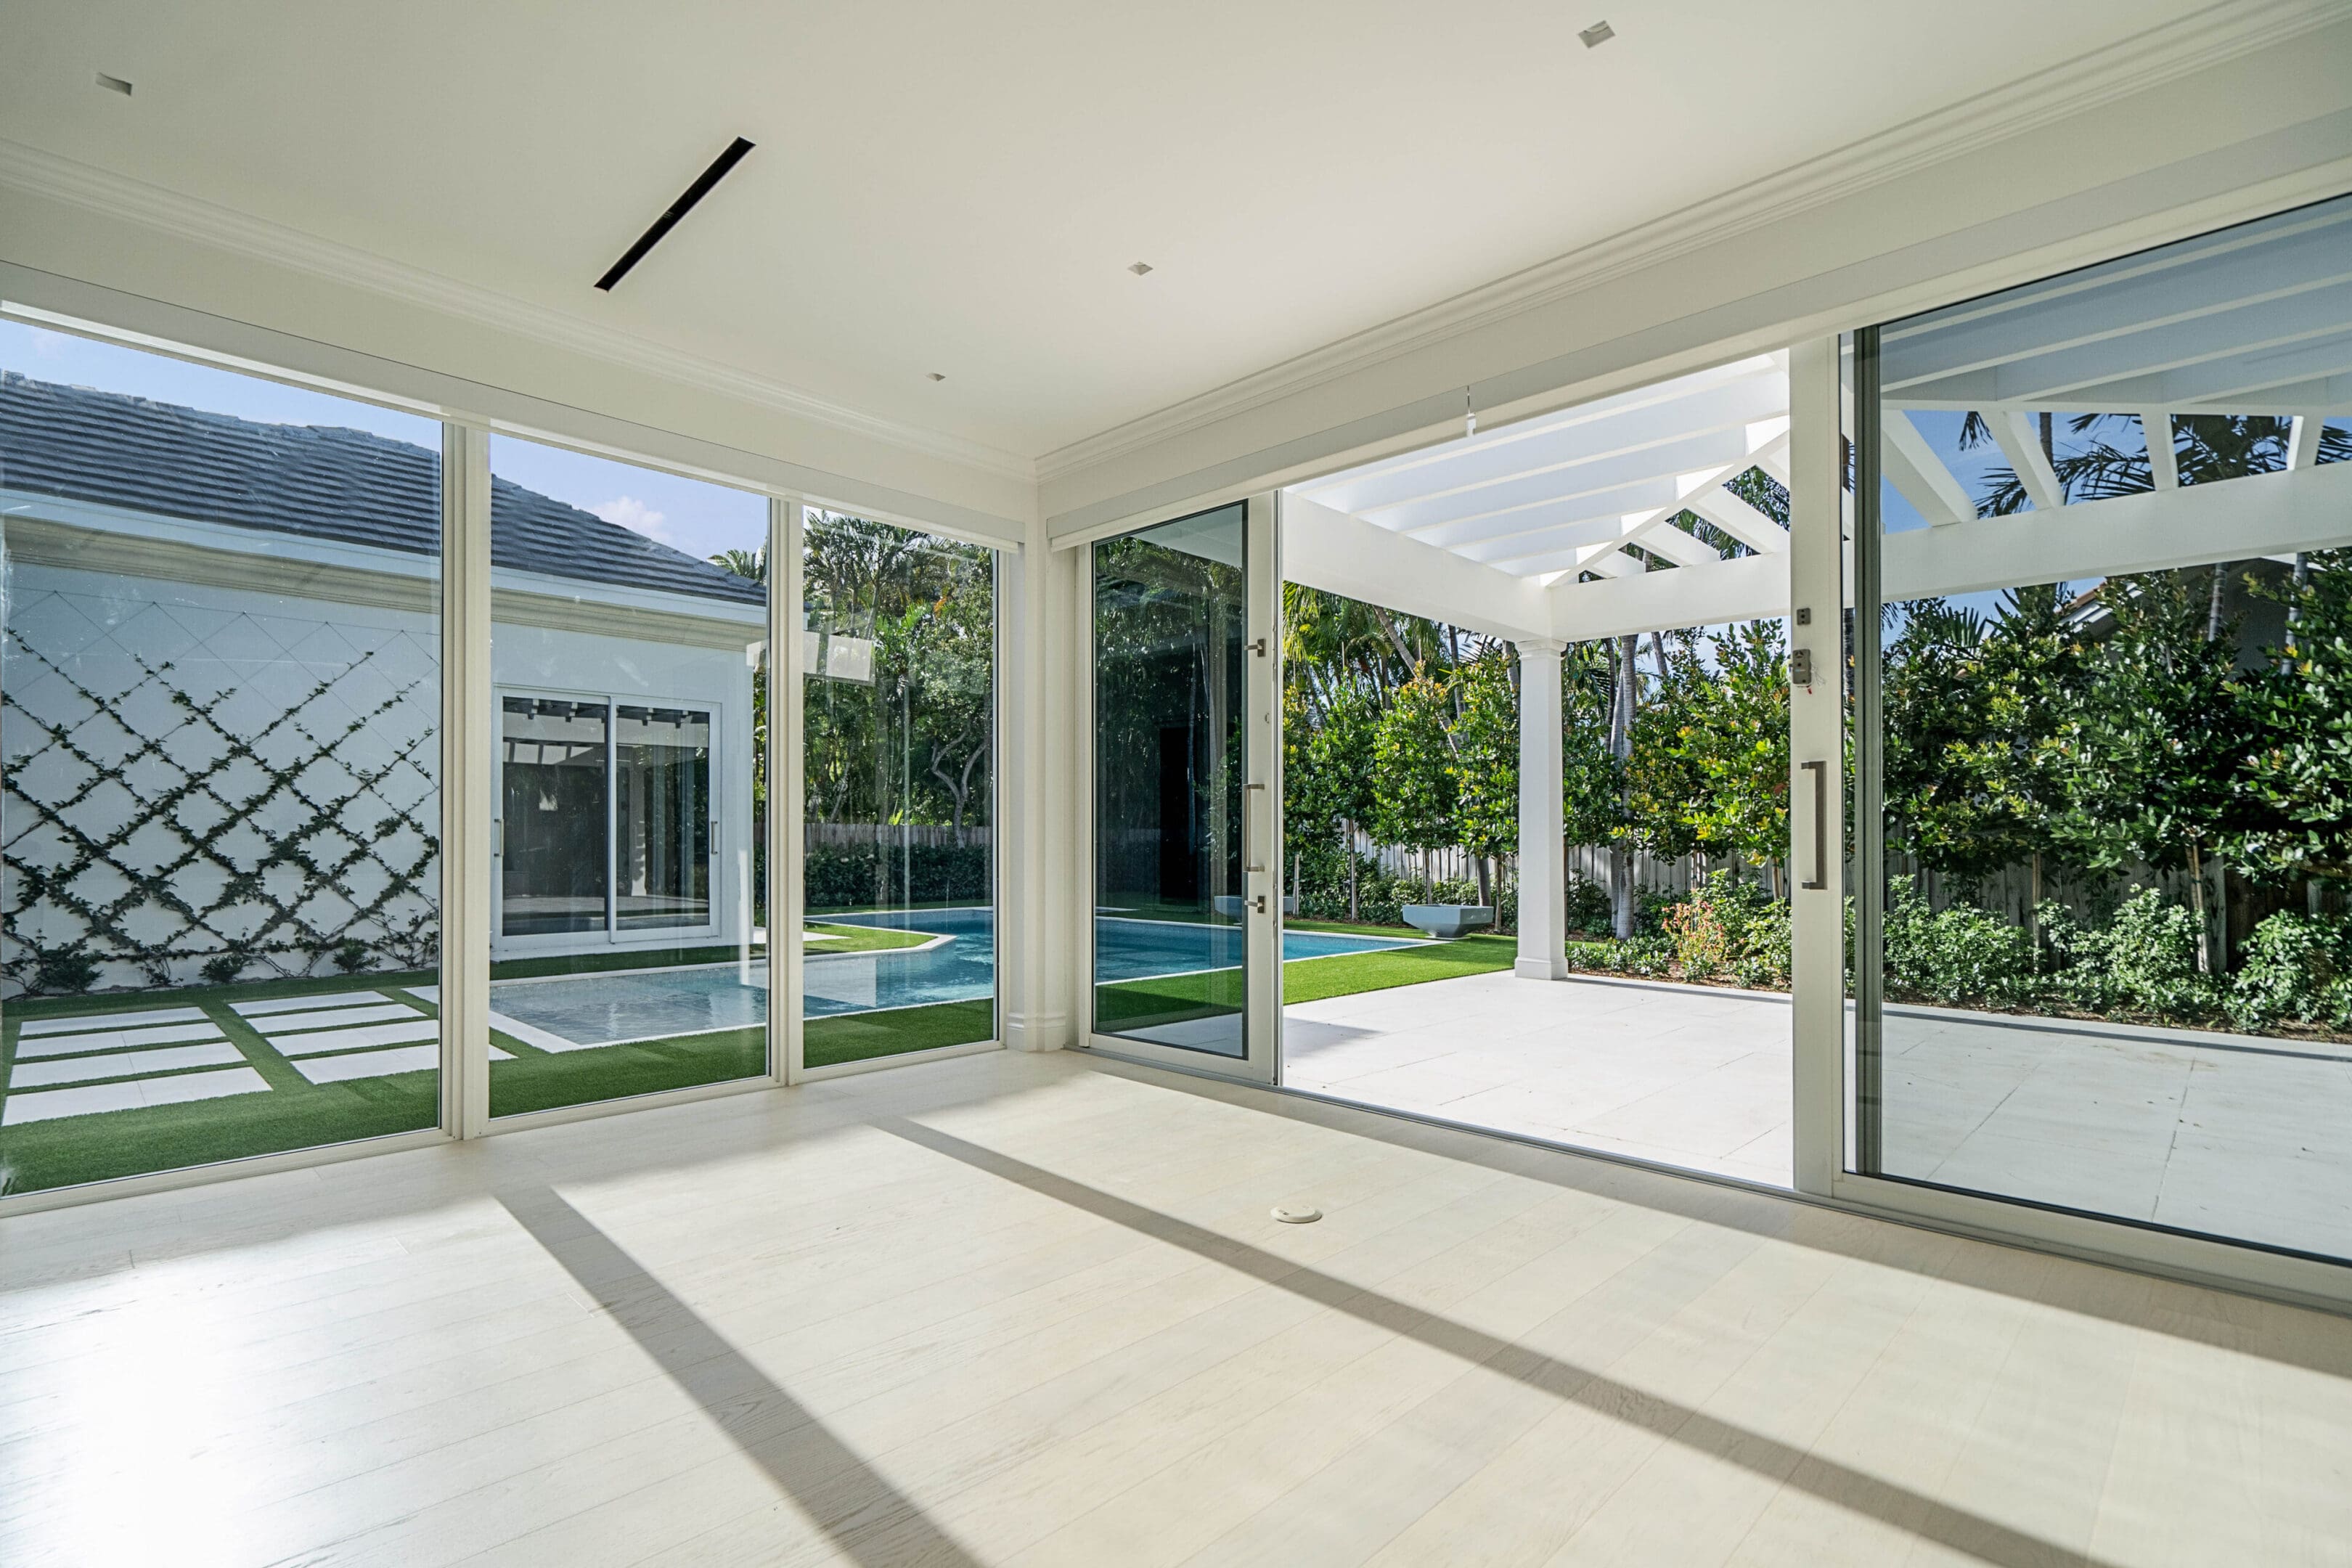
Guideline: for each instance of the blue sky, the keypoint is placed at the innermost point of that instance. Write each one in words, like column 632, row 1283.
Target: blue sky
column 687, row 514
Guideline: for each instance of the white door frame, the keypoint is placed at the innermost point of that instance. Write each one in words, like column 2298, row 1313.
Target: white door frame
column 1261, row 813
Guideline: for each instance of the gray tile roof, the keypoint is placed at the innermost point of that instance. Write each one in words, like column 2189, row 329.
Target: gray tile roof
column 320, row 481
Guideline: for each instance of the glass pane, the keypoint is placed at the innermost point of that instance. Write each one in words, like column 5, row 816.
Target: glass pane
column 2113, row 674
column 662, row 802
column 899, row 674
column 552, row 753
column 628, row 646
column 219, row 794
column 1169, row 628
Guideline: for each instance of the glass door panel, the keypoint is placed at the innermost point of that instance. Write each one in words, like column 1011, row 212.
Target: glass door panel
column 2102, row 573
column 552, row 753
column 1179, row 862
column 661, row 794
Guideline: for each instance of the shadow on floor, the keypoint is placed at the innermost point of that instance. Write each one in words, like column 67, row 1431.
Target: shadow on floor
column 820, row 1473
column 1914, row 1512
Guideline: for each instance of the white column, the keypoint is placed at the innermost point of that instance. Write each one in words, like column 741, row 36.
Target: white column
column 787, row 785
column 1817, row 735
column 1038, row 869
column 1543, row 880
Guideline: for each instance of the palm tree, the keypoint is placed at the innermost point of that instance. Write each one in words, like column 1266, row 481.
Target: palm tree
column 752, row 563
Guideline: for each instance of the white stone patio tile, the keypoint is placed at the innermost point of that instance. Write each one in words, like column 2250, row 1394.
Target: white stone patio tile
column 92, row 1099
column 125, row 1063
column 83, row 1021
column 299, row 1003
column 117, row 1039
column 334, row 1018
column 324, row 1040
column 532, row 1034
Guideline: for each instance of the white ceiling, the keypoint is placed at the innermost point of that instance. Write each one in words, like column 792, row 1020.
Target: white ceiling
column 960, row 188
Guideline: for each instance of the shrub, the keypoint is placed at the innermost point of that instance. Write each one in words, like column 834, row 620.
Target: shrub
column 63, row 970
column 222, row 968
column 2144, row 960
column 2296, row 967
column 350, row 955
column 1955, row 955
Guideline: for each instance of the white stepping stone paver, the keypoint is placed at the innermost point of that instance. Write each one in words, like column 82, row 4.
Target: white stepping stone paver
column 113, row 1020
column 126, row 1064
column 532, row 1034
column 325, row 1040
column 298, row 1003
column 92, row 1099
column 424, row 993
column 117, row 1039
column 334, row 1018
column 378, row 1064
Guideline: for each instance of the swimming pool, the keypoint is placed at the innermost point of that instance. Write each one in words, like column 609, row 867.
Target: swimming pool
column 609, row 1009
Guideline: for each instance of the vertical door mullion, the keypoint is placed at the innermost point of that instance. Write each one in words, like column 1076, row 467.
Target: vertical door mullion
column 468, row 777
column 787, row 523
column 1261, row 763
column 1816, row 762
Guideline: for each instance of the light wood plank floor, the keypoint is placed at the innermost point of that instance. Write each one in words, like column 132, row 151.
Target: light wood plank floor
column 1032, row 1311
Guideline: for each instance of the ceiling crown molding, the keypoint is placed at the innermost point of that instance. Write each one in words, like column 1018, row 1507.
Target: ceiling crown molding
column 2162, row 53
column 42, row 174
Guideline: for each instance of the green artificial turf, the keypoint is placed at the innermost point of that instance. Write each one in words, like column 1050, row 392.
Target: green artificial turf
column 1146, row 1004
column 863, row 938
column 861, row 1037
column 1346, row 975
column 542, row 1081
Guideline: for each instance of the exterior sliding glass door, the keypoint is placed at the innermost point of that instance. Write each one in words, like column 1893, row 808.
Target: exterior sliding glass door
column 2104, row 923
column 1187, row 778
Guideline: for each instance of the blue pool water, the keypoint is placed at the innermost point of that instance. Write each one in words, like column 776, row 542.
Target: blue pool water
column 605, row 1008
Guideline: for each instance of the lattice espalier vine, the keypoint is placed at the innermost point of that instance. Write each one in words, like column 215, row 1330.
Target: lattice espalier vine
column 244, row 796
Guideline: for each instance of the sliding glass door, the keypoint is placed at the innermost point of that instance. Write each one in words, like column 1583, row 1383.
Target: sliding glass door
column 1187, row 924
column 2104, row 608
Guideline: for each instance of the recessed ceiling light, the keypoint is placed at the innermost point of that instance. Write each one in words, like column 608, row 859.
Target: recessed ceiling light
column 935, row 375
column 114, row 84
column 1597, row 34
column 1140, row 267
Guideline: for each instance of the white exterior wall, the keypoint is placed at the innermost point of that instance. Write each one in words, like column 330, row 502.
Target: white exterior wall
column 126, row 698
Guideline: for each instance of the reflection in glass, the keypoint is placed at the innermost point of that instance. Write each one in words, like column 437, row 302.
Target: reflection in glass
column 554, row 753
column 899, row 729
column 661, row 794
column 628, row 643
column 1170, row 622
column 219, row 792
column 2116, row 857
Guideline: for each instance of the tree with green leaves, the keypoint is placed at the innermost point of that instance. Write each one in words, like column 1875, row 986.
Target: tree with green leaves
column 1735, row 739
column 2161, row 740
column 1484, row 760
column 2298, row 766
column 1411, row 771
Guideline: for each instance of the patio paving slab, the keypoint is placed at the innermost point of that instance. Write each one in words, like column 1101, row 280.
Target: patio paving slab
column 92, row 1099
column 2230, row 1135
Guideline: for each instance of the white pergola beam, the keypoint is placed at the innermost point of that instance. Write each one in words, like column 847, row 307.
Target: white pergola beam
column 2020, row 443
column 2263, row 332
column 1741, row 590
column 2262, row 514
column 1915, row 469
column 2163, row 463
column 2122, row 298
column 1340, row 553
column 1739, row 519
column 2303, row 441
